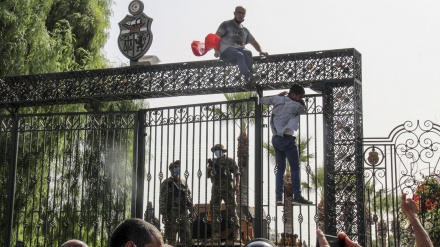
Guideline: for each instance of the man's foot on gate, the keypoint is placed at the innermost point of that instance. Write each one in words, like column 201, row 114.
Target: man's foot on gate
column 279, row 201
column 252, row 81
column 259, row 90
column 301, row 201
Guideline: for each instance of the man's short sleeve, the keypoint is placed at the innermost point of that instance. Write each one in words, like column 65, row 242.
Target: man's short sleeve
column 249, row 37
column 223, row 29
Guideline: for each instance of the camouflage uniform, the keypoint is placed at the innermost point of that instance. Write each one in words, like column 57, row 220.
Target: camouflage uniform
column 223, row 189
column 174, row 203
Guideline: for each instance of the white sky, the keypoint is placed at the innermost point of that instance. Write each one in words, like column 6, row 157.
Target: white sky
column 399, row 41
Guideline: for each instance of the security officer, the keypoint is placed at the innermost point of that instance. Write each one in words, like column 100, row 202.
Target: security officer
column 220, row 170
column 176, row 207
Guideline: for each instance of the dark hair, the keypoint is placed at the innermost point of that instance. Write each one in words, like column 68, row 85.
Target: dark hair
column 171, row 165
column 297, row 89
column 138, row 231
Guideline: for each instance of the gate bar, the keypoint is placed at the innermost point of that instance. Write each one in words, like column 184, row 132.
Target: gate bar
column 12, row 180
column 258, row 228
column 138, row 167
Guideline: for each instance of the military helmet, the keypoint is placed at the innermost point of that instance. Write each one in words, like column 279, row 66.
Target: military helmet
column 219, row 147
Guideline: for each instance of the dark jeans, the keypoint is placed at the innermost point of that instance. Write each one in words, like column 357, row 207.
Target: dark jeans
column 285, row 147
column 240, row 56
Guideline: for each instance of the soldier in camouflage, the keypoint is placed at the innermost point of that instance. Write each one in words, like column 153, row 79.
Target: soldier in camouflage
column 220, row 171
column 176, row 207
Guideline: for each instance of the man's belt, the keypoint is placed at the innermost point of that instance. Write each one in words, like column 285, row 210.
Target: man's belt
column 287, row 136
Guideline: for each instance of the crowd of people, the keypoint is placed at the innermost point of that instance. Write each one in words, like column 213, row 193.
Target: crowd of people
column 139, row 233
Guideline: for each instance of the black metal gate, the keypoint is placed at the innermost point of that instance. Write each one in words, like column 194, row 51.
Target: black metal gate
column 73, row 156
column 71, row 174
column 78, row 175
column 407, row 161
column 187, row 133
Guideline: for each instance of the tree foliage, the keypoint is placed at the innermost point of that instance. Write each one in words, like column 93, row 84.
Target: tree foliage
column 45, row 36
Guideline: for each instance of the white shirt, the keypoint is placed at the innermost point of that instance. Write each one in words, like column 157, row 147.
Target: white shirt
column 285, row 114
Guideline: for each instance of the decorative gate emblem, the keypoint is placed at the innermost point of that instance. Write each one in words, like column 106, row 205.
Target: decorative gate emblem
column 373, row 157
column 135, row 37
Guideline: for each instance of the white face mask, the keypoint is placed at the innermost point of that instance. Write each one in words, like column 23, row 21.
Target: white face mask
column 218, row 153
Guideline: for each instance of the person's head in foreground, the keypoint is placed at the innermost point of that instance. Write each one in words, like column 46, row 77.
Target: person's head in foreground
column 74, row 243
column 260, row 242
column 136, row 233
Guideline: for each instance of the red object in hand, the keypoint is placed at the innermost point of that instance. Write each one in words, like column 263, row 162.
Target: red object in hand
column 212, row 41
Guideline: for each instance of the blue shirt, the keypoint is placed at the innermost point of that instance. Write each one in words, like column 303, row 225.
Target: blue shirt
column 285, row 114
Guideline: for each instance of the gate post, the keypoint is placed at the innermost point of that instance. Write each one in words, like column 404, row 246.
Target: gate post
column 12, row 179
column 258, row 226
column 138, row 175
column 344, row 207
column 344, row 183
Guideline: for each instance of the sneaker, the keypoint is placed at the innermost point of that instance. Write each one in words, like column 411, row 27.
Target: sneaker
column 279, row 200
column 259, row 90
column 252, row 80
column 301, row 201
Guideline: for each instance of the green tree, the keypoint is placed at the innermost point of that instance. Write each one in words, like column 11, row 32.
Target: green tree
column 47, row 36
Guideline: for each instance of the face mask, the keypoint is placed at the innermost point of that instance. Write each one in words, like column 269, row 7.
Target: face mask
column 176, row 171
column 218, row 153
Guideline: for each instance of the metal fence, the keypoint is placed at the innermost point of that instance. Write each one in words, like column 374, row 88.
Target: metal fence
column 187, row 133
column 71, row 174
column 337, row 74
column 407, row 161
column 77, row 175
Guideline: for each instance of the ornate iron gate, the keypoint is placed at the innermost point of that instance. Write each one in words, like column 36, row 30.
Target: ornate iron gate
column 336, row 73
column 403, row 162
column 78, row 175
column 187, row 133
